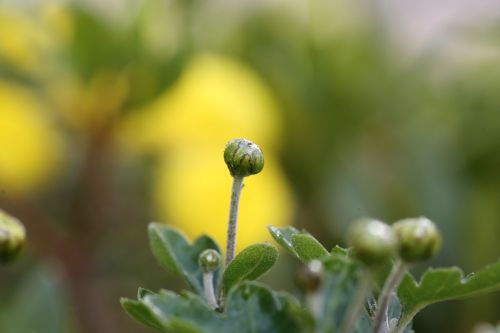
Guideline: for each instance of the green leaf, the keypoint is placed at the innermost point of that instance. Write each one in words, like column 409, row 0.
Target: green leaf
column 253, row 308
column 340, row 286
column 442, row 284
column 250, row 308
column 249, row 264
column 176, row 255
column 283, row 236
column 299, row 243
column 141, row 313
column 307, row 247
column 141, row 292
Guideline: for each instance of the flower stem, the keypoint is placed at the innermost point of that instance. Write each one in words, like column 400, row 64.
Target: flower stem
column 208, row 287
column 233, row 218
column 357, row 303
column 392, row 282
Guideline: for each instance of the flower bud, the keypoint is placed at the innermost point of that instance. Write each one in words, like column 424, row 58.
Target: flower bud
column 372, row 241
column 418, row 239
column 309, row 276
column 209, row 260
column 243, row 158
column 12, row 237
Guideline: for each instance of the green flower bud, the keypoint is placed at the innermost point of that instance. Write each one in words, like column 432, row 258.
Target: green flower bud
column 12, row 237
column 418, row 238
column 372, row 241
column 308, row 277
column 243, row 158
column 209, row 260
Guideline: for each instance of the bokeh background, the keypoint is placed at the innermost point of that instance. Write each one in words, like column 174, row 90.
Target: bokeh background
column 115, row 113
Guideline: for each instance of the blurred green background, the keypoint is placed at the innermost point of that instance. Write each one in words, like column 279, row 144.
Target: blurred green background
column 115, row 113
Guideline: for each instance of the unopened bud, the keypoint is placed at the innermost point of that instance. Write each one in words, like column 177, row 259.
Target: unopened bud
column 372, row 241
column 209, row 261
column 12, row 237
column 308, row 277
column 418, row 239
column 243, row 158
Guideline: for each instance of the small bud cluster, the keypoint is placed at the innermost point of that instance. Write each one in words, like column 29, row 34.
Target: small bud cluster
column 12, row 237
column 413, row 239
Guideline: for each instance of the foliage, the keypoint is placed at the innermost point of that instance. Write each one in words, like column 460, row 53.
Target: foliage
column 253, row 307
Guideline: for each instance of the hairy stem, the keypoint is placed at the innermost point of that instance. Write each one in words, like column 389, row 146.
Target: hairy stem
column 233, row 218
column 357, row 303
column 208, row 287
column 390, row 285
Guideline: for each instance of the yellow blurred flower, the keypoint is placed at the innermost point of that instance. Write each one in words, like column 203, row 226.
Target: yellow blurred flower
column 29, row 38
column 216, row 99
column 89, row 105
column 30, row 147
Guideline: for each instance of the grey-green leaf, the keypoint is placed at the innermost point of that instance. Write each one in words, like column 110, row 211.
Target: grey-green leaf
column 307, row 247
column 340, row 286
column 283, row 236
column 442, row 284
column 249, row 264
column 250, row 308
column 177, row 256
column 141, row 292
column 141, row 313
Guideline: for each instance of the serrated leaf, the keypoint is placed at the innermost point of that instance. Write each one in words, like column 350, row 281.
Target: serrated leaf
column 141, row 313
column 307, row 247
column 250, row 308
column 254, row 308
column 442, row 284
column 249, row 264
column 177, row 256
column 141, row 292
column 340, row 286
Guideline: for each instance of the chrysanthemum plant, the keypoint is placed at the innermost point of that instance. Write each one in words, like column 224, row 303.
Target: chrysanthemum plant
column 364, row 288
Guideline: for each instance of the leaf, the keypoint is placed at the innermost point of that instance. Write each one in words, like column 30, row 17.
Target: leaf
column 442, row 284
column 250, row 308
column 249, row 264
column 254, row 308
column 141, row 292
column 307, row 247
column 141, row 313
column 340, row 286
column 299, row 243
column 184, row 313
column 177, row 256
column 283, row 236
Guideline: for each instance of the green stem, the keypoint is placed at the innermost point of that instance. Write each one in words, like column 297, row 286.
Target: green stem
column 357, row 303
column 208, row 287
column 405, row 321
column 390, row 285
column 233, row 218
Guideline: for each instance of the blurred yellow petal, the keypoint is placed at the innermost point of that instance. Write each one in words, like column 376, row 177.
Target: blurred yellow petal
column 27, row 42
column 192, row 191
column 93, row 104
column 29, row 145
column 215, row 100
